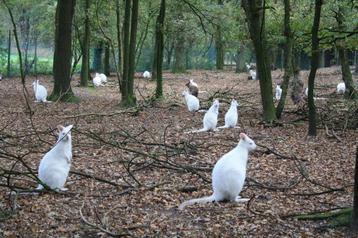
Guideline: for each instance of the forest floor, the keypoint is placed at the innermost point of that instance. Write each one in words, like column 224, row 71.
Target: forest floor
column 132, row 168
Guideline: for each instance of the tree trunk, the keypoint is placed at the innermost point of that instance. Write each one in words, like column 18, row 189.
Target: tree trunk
column 119, row 38
column 158, row 53
column 354, row 224
column 255, row 12
column 287, row 58
column 129, row 44
column 97, row 57
column 35, row 55
column 219, row 45
column 179, row 47
column 131, row 101
column 63, row 50
column 107, row 66
column 356, row 61
column 126, row 34
column 351, row 92
column 312, row 128
column 9, row 55
column 85, row 48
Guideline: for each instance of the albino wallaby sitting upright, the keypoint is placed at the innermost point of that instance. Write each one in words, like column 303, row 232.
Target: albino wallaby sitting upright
column 341, row 88
column 191, row 101
column 39, row 91
column 55, row 165
column 193, row 87
column 252, row 74
column 231, row 116
column 228, row 175
column 278, row 92
column 210, row 118
column 147, row 75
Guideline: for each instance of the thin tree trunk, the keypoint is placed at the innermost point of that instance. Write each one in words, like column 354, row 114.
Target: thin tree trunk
column 287, row 58
column 9, row 55
column 219, row 45
column 63, row 50
column 255, row 12
column 356, row 61
column 312, row 128
column 126, row 34
column 354, row 223
column 351, row 92
column 97, row 57
column 159, row 48
column 107, row 66
column 119, row 37
column 35, row 55
column 85, row 72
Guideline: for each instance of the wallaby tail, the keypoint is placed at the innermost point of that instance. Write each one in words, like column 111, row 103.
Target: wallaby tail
column 196, row 131
column 196, row 200
column 223, row 127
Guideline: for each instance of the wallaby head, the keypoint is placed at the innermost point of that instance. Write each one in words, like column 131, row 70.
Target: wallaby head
column 234, row 103
column 64, row 132
column 247, row 142
column 215, row 106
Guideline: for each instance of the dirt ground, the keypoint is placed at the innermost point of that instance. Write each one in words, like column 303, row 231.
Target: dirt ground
column 132, row 167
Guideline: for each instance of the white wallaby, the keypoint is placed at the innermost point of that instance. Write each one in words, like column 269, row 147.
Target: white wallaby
column 147, row 75
column 248, row 66
column 210, row 118
column 193, row 87
column 103, row 77
column 278, row 92
column 191, row 102
column 341, row 88
column 231, row 115
column 55, row 165
column 97, row 80
column 306, row 92
column 228, row 175
column 40, row 92
column 252, row 74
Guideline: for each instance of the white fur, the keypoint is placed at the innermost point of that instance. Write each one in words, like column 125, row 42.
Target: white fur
column 341, row 88
column 147, row 74
column 192, row 83
column 191, row 102
column 252, row 74
column 248, row 66
column 39, row 91
column 210, row 119
column 103, row 77
column 231, row 115
column 278, row 92
column 55, row 165
column 228, row 175
column 97, row 80
column 306, row 92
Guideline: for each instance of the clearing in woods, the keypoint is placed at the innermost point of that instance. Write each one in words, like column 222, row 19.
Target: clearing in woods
column 132, row 168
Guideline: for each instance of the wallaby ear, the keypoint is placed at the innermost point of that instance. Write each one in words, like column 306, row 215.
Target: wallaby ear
column 59, row 128
column 242, row 136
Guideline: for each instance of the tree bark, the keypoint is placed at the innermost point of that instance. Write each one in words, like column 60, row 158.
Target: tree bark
column 179, row 47
column 119, row 38
column 255, row 13
column 107, row 66
column 97, row 57
column 159, row 48
column 312, row 128
column 219, row 45
column 356, row 61
column 351, row 92
column 126, row 34
column 9, row 55
column 63, row 51
column 354, row 223
column 86, row 48
column 287, row 58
